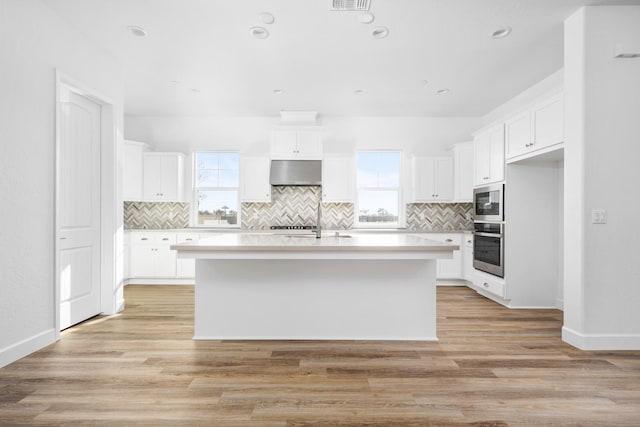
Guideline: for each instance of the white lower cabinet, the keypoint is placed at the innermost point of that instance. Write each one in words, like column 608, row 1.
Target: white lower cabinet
column 186, row 268
column 449, row 268
column 489, row 283
column 468, row 272
column 151, row 255
column 152, row 261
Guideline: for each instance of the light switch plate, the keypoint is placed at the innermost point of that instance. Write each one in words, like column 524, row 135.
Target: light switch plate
column 598, row 216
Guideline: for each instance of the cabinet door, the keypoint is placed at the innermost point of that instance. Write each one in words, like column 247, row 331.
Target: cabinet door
column 444, row 179
column 468, row 271
column 463, row 169
column 170, row 177
column 143, row 260
column 548, row 123
column 153, row 184
column 166, row 261
column 337, row 179
column 424, row 179
column 186, row 268
column 518, row 135
column 496, row 161
column 284, row 144
column 254, row 179
column 481, row 158
column 309, row 144
column 132, row 166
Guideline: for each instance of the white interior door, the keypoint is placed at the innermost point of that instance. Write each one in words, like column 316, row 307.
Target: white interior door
column 78, row 208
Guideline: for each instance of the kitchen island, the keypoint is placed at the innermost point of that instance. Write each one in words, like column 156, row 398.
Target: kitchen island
column 369, row 286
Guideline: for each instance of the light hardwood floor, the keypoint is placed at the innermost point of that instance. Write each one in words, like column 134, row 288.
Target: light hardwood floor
column 492, row 367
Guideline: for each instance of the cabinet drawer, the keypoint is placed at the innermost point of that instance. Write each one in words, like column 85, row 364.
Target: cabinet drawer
column 187, row 237
column 138, row 237
column 153, row 238
column 493, row 286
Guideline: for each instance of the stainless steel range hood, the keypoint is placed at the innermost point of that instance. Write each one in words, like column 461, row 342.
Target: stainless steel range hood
column 296, row 172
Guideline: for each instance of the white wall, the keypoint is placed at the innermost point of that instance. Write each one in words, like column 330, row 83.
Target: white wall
column 34, row 42
column 421, row 135
column 602, row 106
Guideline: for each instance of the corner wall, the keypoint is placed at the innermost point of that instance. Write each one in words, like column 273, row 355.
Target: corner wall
column 602, row 106
column 34, row 43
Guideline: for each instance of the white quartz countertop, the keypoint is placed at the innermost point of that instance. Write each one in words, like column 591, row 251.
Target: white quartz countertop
column 345, row 241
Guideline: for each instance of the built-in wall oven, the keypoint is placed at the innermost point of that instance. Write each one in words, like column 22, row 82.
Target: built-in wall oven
column 488, row 247
column 488, row 203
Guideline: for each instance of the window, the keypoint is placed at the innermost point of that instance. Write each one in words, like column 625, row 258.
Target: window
column 378, row 185
column 217, row 180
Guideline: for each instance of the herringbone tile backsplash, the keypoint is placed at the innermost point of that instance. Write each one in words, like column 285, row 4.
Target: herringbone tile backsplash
column 296, row 206
column 155, row 215
column 439, row 216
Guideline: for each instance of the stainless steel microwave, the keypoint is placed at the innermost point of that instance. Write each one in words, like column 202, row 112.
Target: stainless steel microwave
column 488, row 203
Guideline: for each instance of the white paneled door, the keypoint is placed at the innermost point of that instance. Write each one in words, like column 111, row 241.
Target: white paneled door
column 78, row 208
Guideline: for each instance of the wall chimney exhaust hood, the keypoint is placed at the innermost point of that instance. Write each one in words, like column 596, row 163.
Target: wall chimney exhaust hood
column 296, row 172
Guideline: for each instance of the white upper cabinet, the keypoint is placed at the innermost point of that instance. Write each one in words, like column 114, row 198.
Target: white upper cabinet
column 132, row 161
column 294, row 142
column 337, row 179
column 163, row 177
column 518, row 134
column 488, row 156
column 548, row 122
column 538, row 127
column 433, row 179
column 254, row 179
column 463, row 172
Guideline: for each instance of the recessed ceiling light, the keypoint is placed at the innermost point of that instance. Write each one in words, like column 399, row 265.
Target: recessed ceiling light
column 278, row 91
column 259, row 32
column 424, row 82
column 442, row 91
column 137, row 31
column 359, row 91
column 380, row 32
column 501, row 33
column 366, row 18
column 266, row 18
column 194, row 90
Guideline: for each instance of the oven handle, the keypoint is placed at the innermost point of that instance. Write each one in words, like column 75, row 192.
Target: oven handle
column 488, row 234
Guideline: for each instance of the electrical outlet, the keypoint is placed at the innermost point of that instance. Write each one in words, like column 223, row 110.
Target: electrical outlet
column 598, row 216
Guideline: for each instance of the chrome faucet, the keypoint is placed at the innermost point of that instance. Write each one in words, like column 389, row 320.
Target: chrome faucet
column 318, row 229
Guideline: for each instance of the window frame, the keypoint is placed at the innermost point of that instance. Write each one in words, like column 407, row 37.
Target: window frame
column 401, row 223
column 196, row 189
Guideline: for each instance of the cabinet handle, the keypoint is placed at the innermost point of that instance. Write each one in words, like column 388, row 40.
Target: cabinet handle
column 485, row 284
column 188, row 240
column 144, row 238
column 165, row 238
column 468, row 241
column 63, row 238
column 485, row 178
column 448, row 240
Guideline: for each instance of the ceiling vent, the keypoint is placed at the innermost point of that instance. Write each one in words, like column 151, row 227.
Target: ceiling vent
column 349, row 5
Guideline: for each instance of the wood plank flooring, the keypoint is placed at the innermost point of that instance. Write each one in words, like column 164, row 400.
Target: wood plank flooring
column 492, row 367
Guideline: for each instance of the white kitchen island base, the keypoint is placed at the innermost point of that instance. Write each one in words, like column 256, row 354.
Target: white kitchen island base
column 323, row 299
column 361, row 287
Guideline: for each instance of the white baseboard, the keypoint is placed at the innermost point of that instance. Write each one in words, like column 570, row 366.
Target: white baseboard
column 157, row 281
column 27, row 346
column 451, row 282
column 601, row 341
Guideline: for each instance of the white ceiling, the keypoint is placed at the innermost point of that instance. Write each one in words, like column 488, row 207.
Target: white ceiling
column 320, row 57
